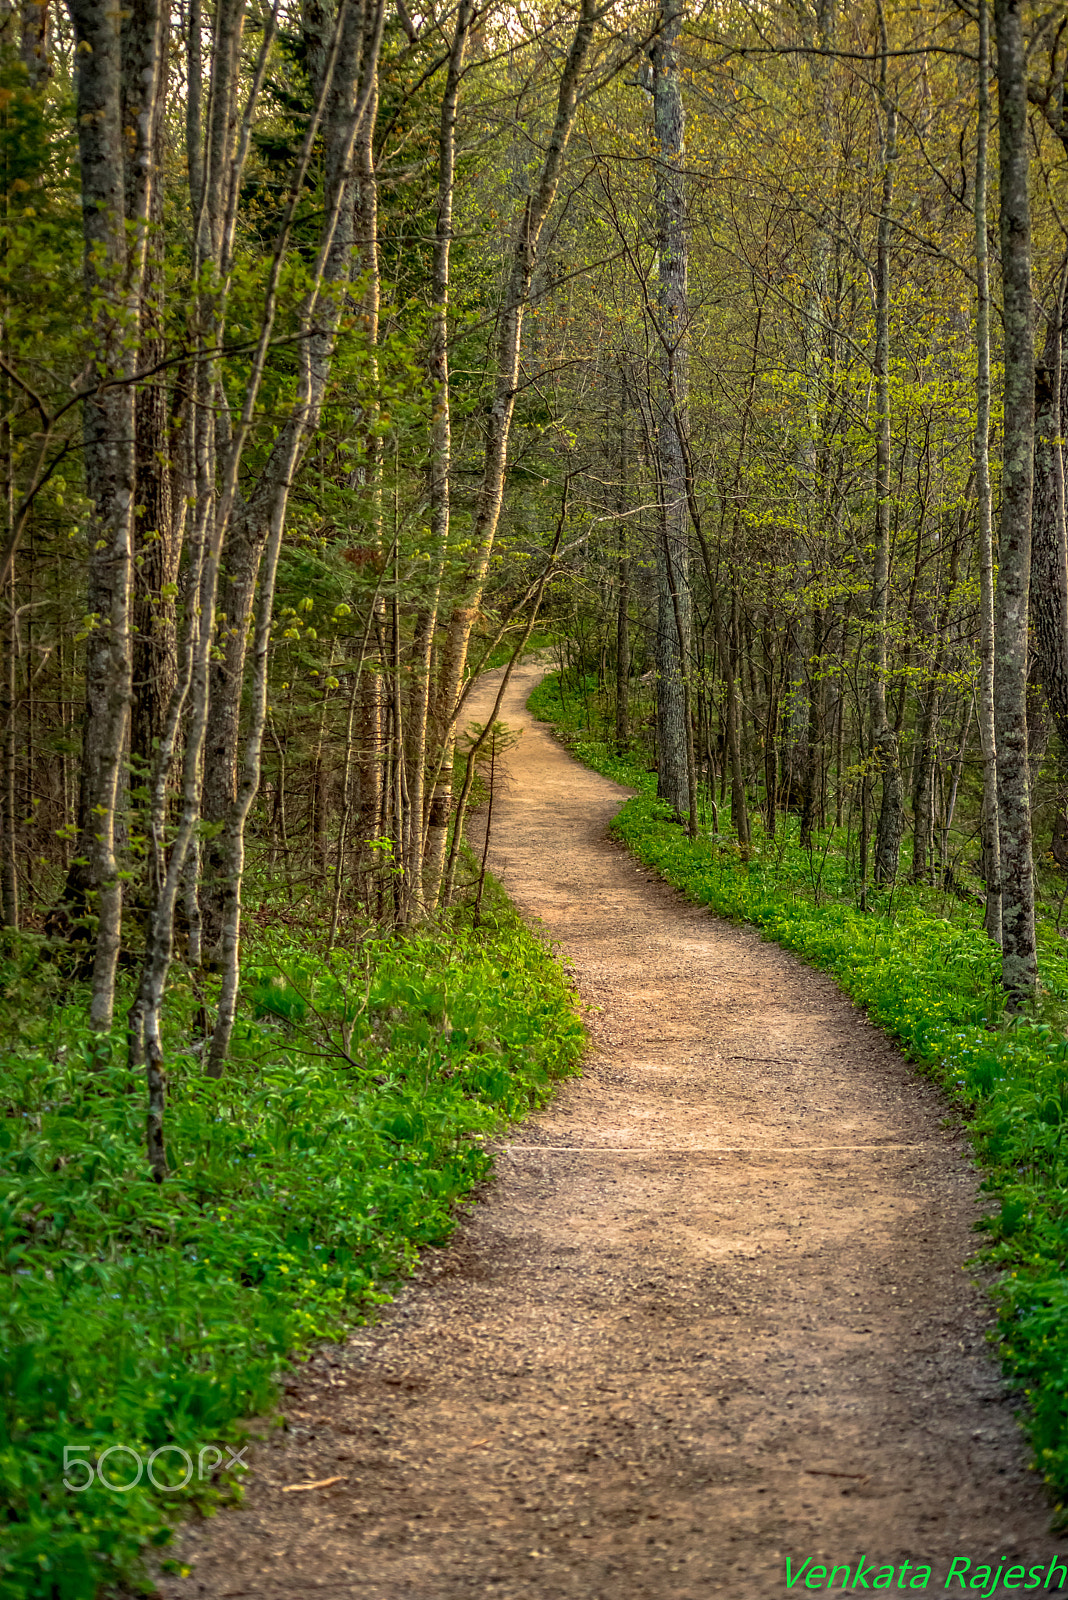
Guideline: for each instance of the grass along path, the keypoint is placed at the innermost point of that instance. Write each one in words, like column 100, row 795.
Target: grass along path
column 306, row 1184
column 710, row 1315
column 922, row 968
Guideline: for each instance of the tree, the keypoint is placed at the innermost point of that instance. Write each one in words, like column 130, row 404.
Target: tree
column 984, row 499
column 524, row 259
column 1019, row 964
column 675, row 782
column 883, row 738
column 118, row 175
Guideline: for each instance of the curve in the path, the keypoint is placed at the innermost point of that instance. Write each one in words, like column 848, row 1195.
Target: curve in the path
column 711, row 1315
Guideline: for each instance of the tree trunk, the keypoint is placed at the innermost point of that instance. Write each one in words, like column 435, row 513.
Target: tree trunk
column 622, row 705
column 371, row 745
column 985, row 514
column 923, row 785
column 158, row 528
column 215, row 505
column 491, row 724
column 739, row 811
column 498, row 429
column 1019, row 966
column 350, row 99
column 9, row 643
column 440, row 455
column 884, row 741
column 345, row 101
column 35, row 42
column 9, row 829
column 812, row 784
column 674, row 739
column 162, row 489
column 113, row 282
column 1049, row 546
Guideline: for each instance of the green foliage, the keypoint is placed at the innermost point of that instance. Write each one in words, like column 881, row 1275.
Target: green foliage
column 502, row 653
column 569, row 717
column 923, row 969
column 355, row 1114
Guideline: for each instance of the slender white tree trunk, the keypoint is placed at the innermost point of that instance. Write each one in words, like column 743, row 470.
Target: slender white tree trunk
column 353, row 97
column 440, row 457
column 498, row 429
column 114, row 267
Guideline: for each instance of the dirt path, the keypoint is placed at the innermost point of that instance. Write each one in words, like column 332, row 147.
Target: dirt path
column 712, row 1314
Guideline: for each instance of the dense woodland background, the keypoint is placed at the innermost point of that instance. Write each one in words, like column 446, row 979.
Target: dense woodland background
column 348, row 348
column 337, row 341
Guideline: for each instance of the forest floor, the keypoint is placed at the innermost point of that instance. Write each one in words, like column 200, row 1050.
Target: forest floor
column 710, row 1316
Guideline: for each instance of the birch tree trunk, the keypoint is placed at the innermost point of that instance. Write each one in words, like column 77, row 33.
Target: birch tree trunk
column 371, row 711
column 1018, row 964
column 173, row 874
column 350, row 93
column 214, row 508
column 113, row 282
column 440, row 461
column 498, row 428
column 351, row 99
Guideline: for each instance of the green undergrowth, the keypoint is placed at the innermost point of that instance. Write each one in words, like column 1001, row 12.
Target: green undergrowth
column 921, row 966
column 502, row 653
column 304, row 1184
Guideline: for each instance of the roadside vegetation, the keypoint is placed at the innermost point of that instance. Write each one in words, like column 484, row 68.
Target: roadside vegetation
column 138, row 1317
column 919, row 962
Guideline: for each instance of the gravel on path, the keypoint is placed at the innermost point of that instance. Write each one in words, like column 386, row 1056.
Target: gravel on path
column 711, row 1314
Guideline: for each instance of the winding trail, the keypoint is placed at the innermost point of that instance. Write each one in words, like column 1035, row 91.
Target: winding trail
column 710, row 1316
